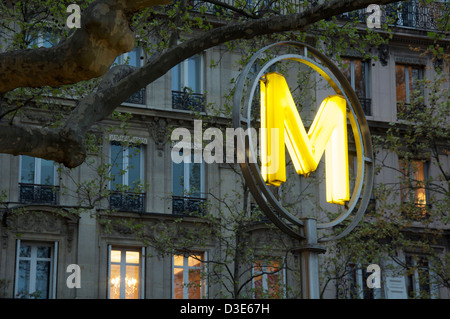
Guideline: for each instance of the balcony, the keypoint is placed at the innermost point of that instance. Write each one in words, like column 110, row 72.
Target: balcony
column 188, row 101
column 127, row 201
column 137, row 98
column 188, row 206
column 38, row 194
column 409, row 14
column 366, row 104
column 407, row 111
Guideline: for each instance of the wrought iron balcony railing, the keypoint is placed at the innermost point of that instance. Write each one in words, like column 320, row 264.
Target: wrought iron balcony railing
column 38, row 194
column 186, row 206
column 406, row 111
column 366, row 104
column 411, row 14
column 127, row 202
column 188, row 101
column 137, row 98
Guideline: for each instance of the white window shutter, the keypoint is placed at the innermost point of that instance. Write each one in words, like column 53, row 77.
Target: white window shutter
column 395, row 284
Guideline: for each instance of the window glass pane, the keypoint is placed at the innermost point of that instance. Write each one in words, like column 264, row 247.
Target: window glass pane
column 42, row 278
column 178, row 179
column 346, row 70
column 178, row 260
column 178, row 283
column 132, row 257
column 114, row 292
column 194, row 283
column 416, row 76
column 360, row 88
column 25, row 251
column 43, row 252
column 134, row 166
column 258, row 287
column 117, row 165
column 132, row 282
column 400, row 83
column 195, row 179
column 27, row 170
column 175, row 74
column 195, row 261
column 47, row 172
column 194, row 74
column 115, row 256
column 133, row 57
column 24, row 276
column 419, row 177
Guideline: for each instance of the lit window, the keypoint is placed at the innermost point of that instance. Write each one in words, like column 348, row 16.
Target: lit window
column 188, row 276
column 124, row 274
column 413, row 184
column 35, row 270
column 268, row 280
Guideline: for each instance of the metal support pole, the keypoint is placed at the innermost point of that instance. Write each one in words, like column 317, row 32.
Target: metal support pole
column 309, row 260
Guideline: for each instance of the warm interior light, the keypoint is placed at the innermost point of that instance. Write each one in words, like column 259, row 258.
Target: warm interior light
column 328, row 133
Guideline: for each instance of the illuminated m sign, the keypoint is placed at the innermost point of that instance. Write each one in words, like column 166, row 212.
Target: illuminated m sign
column 282, row 126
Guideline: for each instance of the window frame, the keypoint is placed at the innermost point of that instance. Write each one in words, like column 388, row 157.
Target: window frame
column 203, row 269
column 37, row 171
column 122, row 59
column 264, row 276
column 123, row 264
column 181, row 70
column 412, row 281
column 53, row 260
column 408, row 82
column 125, row 164
column 366, row 69
column 408, row 172
column 187, row 161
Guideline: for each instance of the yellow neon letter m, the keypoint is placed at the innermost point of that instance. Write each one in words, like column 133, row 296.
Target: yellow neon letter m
column 281, row 125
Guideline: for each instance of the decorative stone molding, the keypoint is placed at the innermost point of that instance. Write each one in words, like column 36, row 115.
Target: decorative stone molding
column 159, row 132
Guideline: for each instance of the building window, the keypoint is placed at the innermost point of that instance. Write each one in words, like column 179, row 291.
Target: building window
column 35, row 270
column 126, row 178
column 37, row 181
column 357, row 279
column 187, row 85
column 188, row 276
column 357, row 73
column 412, row 188
column 125, row 276
column 134, row 58
column 419, row 278
column 407, row 83
column 188, row 184
column 268, row 280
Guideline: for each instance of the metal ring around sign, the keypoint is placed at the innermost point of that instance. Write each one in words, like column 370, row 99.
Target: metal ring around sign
column 267, row 202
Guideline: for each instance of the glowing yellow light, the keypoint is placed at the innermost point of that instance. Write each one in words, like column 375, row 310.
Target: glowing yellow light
column 281, row 125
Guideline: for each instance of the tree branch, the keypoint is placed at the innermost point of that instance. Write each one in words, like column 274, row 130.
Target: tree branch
column 108, row 41
column 89, row 53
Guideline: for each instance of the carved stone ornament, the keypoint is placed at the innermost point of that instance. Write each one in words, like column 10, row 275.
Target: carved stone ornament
column 158, row 131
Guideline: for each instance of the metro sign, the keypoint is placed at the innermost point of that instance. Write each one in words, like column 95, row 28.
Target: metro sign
column 328, row 133
column 281, row 128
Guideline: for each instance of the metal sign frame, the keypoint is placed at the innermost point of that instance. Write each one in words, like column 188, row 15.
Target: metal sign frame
column 287, row 222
